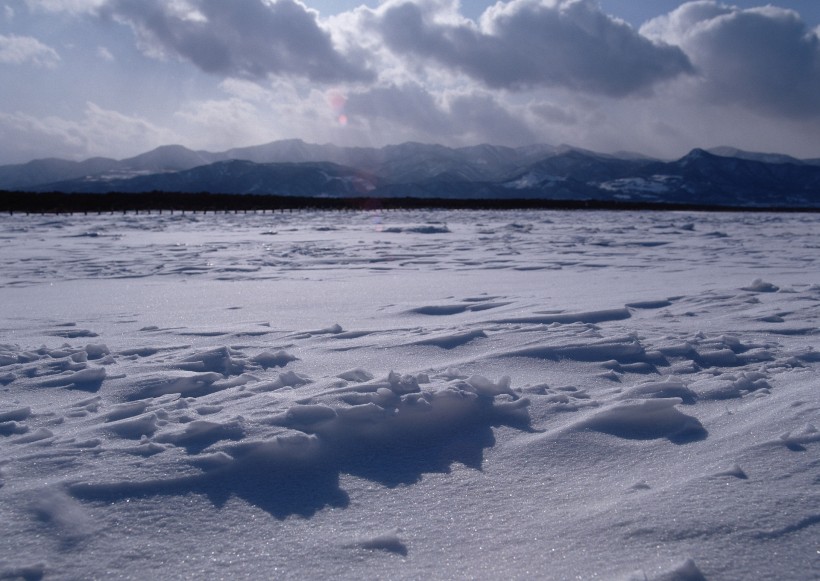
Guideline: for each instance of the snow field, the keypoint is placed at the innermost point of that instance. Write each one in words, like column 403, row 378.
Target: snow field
column 406, row 395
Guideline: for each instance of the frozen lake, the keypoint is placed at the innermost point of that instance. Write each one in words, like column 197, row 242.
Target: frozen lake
column 448, row 394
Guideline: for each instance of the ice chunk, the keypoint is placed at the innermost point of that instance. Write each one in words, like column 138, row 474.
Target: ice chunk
column 89, row 379
column 17, row 414
column 388, row 541
column 357, row 375
column 96, row 351
column 126, row 410
column 134, row 428
column 12, row 428
column 273, row 359
column 659, row 304
column 147, row 449
column 333, row 329
column 401, row 384
column 488, row 388
column 718, row 357
column 212, row 461
column 221, row 360
column 7, row 357
column 735, row 471
column 35, row 436
column 440, row 310
column 140, row 351
column 200, row 434
column 286, row 379
column 729, row 386
column 195, row 385
column 760, row 286
column 670, row 387
column 566, row 318
column 622, row 349
column 452, row 340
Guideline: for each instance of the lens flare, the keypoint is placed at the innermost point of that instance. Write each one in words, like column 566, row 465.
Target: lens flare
column 336, row 100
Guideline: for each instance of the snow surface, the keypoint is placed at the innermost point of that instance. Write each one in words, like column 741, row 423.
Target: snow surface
column 493, row 395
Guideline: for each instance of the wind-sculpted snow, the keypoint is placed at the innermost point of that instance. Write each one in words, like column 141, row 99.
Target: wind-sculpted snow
column 371, row 430
column 500, row 395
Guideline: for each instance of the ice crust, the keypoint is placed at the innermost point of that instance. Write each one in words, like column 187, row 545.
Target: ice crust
column 410, row 395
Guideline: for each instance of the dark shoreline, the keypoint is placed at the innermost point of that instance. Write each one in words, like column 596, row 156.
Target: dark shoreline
column 62, row 203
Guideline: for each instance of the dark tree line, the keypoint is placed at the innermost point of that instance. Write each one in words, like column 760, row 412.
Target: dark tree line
column 62, row 203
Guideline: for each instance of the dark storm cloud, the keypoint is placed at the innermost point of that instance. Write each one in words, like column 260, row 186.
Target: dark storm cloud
column 535, row 43
column 765, row 58
column 240, row 38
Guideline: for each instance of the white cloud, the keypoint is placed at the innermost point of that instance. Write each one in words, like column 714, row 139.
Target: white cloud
column 18, row 50
column 252, row 114
column 73, row 6
column 247, row 90
column 105, row 54
column 99, row 132
column 452, row 117
column 220, row 124
column 766, row 59
column 524, row 44
column 365, row 116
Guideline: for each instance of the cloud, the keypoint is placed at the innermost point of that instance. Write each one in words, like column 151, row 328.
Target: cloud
column 454, row 117
column 98, row 132
column 403, row 105
column 218, row 124
column 105, row 54
column 525, row 44
column 766, row 59
column 73, row 6
column 18, row 50
column 554, row 114
column 249, row 39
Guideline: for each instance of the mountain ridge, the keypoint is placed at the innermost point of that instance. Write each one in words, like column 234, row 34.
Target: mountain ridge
column 720, row 176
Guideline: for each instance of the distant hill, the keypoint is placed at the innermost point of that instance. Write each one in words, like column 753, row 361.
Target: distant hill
column 43, row 171
column 725, row 151
column 722, row 176
column 236, row 177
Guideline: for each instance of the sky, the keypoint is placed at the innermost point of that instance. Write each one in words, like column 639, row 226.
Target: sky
column 115, row 78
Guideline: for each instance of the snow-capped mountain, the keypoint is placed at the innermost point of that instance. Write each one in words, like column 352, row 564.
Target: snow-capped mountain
column 723, row 176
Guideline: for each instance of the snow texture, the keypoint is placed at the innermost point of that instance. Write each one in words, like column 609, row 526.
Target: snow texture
column 490, row 395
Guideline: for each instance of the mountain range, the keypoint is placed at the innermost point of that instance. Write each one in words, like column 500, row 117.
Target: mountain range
column 722, row 176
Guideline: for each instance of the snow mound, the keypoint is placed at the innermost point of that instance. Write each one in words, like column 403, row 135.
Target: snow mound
column 646, row 419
